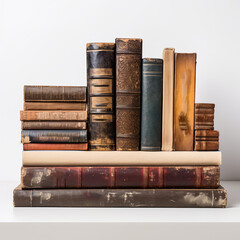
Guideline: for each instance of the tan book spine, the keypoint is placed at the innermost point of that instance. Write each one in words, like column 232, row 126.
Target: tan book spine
column 116, row 158
column 53, row 115
column 206, row 145
column 168, row 92
column 54, row 106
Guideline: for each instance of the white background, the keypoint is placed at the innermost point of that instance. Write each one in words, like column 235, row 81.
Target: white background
column 43, row 43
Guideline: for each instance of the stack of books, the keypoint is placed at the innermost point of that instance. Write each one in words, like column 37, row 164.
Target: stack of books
column 143, row 128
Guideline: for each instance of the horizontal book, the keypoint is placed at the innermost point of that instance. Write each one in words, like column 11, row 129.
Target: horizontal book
column 120, row 158
column 54, row 106
column 53, row 115
column 204, row 110
column 54, row 136
column 121, row 177
column 55, row 93
column 204, row 105
column 204, row 126
column 206, row 145
column 53, row 146
column 207, row 133
column 204, row 117
column 208, row 198
column 31, row 125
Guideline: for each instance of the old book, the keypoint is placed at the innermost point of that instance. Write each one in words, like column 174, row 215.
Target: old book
column 206, row 145
column 204, row 110
column 54, row 106
column 204, row 127
column 205, row 105
column 204, row 117
column 121, row 177
column 53, row 146
column 120, row 158
column 212, row 198
column 128, row 93
column 54, row 136
column 168, row 93
column 101, row 92
column 55, row 93
column 151, row 115
column 53, row 115
column 31, row 125
column 206, row 133
column 184, row 98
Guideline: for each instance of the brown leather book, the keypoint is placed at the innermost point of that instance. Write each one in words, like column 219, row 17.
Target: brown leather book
column 211, row 198
column 207, row 133
column 128, row 93
column 204, row 126
column 29, row 125
column 121, row 177
column 101, row 92
column 55, row 93
column 205, row 105
column 206, row 146
column 203, row 117
column 54, row 106
column 53, row 115
column 184, row 98
column 53, row 146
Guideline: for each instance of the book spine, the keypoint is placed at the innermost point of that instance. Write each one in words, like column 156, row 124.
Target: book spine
column 54, row 136
column 184, row 97
column 53, row 115
column 151, row 115
column 207, row 133
column 52, row 146
column 212, row 198
column 31, row 125
column 101, row 92
column 206, row 146
column 168, row 93
column 128, row 94
column 120, row 177
column 204, row 118
column 54, row 106
column 55, row 93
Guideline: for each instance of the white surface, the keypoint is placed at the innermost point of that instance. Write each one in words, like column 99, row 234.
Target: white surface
column 119, row 223
column 43, row 42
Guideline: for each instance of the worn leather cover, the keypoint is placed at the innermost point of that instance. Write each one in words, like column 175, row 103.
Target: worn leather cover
column 55, row 106
column 151, row 115
column 101, row 95
column 55, row 146
column 211, row 198
column 128, row 93
column 121, row 177
column 184, row 99
column 207, row 145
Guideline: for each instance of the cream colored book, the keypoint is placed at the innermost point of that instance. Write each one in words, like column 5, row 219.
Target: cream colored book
column 124, row 158
column 167, row 110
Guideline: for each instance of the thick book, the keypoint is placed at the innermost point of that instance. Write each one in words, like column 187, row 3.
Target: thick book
column 101, row 95
column 206, row 134
column 55, row 93
column 128, row 93
column 206, row 145
column 151, row 114
column 121, row 158
column 204, row 117
column 208, row 198
column 168, row 93
column 31, row 125
column 121, row 177
column 54, row 106
column 53, row 146
column 54, row 136
column 204, row 108
column 184, row 99
column 53, row 115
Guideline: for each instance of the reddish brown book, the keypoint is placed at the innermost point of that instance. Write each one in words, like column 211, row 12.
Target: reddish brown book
column 204, row 126
column 204, row 110
column 205, row 105
column 204, row 117
column 54, row 106
column 53, row 146
column 121, row 177
column 206, row 146
column 207, row 133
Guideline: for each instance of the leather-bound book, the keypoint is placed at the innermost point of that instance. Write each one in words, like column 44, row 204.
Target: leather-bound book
column 206, row 140
column 184, row 98
column 206, row 145
column 151, row 115
column 121, row 177
column 54, row 106
column 168, row 93
column 128, row 93
column 55, row 146
column 208, row 198
column 101, row 95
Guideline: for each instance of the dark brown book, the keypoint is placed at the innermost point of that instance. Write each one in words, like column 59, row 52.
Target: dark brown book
column 207, row 133
column 55, row 146
column 203, row 126
column 54, row 93
column 53, row 115
column 204, row 105
column 206, row 146
column 54, row 106
column 121, row 177
column 204, row 117
column 101, row 92
column 128, row 93
column 204, row 110
column 208, row 198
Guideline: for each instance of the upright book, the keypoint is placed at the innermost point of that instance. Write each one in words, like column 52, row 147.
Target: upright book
column 184, row 99
column 101, row 92
column 151, row 115
column 128, row 93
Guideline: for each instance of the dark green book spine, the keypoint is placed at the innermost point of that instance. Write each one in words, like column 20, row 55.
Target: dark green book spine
column 151, row 118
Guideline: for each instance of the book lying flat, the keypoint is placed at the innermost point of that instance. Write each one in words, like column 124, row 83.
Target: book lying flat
column 122, row 158
column 198, row 198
